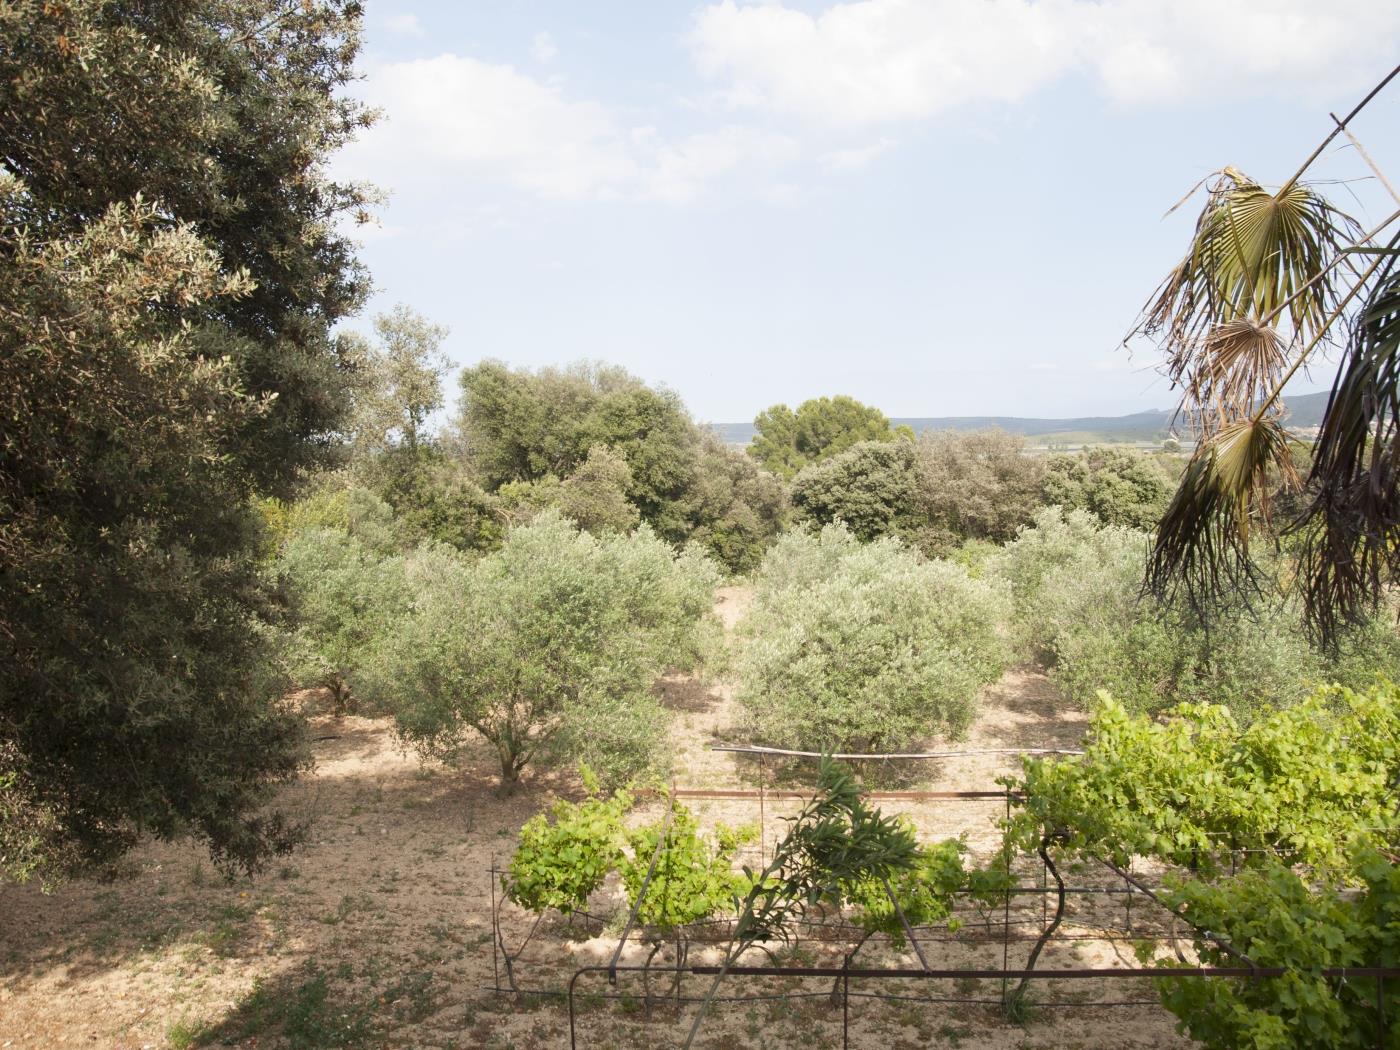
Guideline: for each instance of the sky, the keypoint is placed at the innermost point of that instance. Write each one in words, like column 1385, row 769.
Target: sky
column 940, row 207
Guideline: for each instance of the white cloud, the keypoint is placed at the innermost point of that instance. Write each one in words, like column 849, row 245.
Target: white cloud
column 543, row 49
column 467, row 119
column 855, row 158
column 884, row 61
column 679, row 172
column 404, row 25
column 461, row 120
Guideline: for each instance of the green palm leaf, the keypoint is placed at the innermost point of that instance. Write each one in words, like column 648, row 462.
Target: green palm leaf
column 1254, row 254
column 1202, row 544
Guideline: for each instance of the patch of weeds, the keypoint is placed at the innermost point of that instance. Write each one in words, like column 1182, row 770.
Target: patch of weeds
column 349, row 904
column 288, row 871
column 953, row 1035
column 412, row 998
column 197, row 874
column 182, row 1035
column 304, row 1013
column 968, row 986
column 1018, row 1009
column 223, row 939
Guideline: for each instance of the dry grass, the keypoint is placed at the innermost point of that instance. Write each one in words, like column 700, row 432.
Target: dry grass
column 377, row 933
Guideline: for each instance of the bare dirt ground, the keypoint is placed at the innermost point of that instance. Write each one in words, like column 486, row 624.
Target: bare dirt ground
column 378, row 932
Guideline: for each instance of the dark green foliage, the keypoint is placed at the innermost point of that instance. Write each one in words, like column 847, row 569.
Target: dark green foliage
column 1117, row 487
column 870, row 487
column 530, row 435
column 733, row 508
column 170, row 272
column 836, row 840
column 433, row 497
column 786, row 441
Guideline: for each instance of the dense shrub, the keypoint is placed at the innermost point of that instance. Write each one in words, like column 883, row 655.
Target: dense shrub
column 977, row 484
column 594, row 496
column 735, row 509
column 864, row 647
column 935, row 494
column 333, row 504
column 870, row 488
column 1117, row 486
column 346, row 598
column 1076, row 585
column 548, row 648
column 560, row 438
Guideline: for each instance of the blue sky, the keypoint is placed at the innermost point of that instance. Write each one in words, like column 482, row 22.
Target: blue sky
column 942, row 207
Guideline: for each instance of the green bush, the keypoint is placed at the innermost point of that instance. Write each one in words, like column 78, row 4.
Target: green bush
column 785, row 441
column 734, row 509
column 549, row 648
column 977, row 484
column 864, row 647
column 1117, row 486
column 693, row 879
column 346, row 600
column 870, row 488
column 1076, row 588
column 560, row 862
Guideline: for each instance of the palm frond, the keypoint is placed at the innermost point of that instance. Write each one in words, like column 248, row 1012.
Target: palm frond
column 1253, row 254
column 1352, row 528
column 1202, row 544
column 1237, row 367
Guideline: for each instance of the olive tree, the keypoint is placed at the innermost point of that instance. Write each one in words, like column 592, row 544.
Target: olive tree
column 864, row 647
column 346, row 596
column 548, row 648
column 1079, row 607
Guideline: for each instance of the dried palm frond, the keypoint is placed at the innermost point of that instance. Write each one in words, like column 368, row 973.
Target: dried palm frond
column 1237, row 367
column 1352, row 528
column 1202, row 544
column 1254, row 254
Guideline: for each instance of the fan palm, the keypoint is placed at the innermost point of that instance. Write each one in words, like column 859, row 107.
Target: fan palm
column 1268, row 278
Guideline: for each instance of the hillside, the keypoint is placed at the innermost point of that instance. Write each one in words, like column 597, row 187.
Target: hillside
column 1304, row 410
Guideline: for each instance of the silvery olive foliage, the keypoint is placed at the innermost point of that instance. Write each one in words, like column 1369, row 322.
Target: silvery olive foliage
column 1076, row 589
column 864, row 647
column 548, row 648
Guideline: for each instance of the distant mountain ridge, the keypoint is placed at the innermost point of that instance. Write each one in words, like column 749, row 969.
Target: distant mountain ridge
column 1304, row 410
